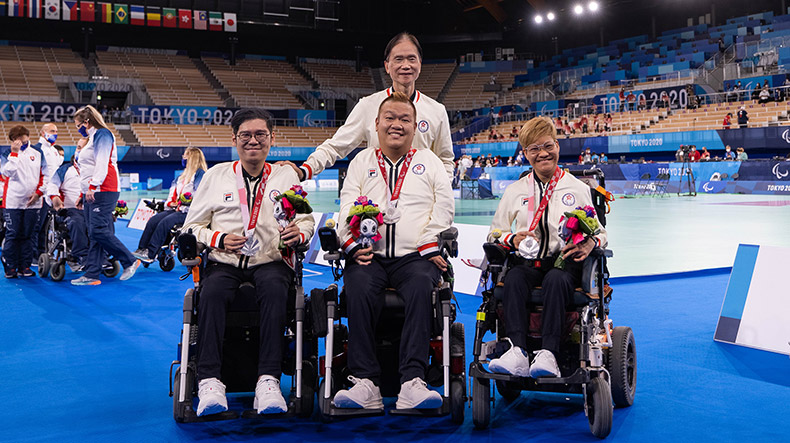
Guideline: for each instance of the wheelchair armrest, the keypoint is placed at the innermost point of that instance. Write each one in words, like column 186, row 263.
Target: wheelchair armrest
column 601, row 252
column 328, row 238
column 590, row 267
column 302, row 248
column 188, row 247
column 495, row 253
column 448, row 241
column 332, row 256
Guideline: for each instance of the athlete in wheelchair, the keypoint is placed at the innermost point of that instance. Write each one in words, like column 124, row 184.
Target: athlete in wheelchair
column 548, row 294
column 397, row 282
column 158, row 241
column 237, row 333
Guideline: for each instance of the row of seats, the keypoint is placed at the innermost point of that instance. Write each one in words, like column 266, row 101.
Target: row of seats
column 67, row 134
column 261, row 83
column 434, row 77
column 712, row 116
column 214, row 135
column 26, row 72
column 466, row 91
column 339, row 75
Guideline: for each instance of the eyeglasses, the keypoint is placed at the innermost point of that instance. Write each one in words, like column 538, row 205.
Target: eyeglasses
column 534, row 149
column 245, row 137
column 399, row 59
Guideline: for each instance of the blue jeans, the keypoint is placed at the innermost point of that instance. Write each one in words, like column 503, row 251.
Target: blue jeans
column 163, row 229
column 101, row 232
column 78, row 233
column 20, row 225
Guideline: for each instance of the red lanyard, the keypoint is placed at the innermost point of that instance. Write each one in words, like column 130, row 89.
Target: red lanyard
column 250, row 220
column 546, row 196
column 401, row 176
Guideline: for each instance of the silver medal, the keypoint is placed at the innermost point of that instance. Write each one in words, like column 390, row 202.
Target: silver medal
column 251, row 247
column 391, row 215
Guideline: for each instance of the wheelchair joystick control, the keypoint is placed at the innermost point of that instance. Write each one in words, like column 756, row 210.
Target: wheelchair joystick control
column 330, row 223
column 496, row 233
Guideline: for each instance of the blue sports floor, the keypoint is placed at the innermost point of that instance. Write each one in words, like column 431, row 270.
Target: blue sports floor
column 91, row 363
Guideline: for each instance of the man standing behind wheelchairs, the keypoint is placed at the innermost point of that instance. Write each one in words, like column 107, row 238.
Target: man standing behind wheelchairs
column 232, row 198
column 536, row 202
column 412, row 188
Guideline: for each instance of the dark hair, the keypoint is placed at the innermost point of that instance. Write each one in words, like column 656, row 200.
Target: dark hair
column 17, row 131
column 247, row 114
column 397, row 39
column 58, row 148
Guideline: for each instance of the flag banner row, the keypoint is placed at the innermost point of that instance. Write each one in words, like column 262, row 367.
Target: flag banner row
column 121, row 14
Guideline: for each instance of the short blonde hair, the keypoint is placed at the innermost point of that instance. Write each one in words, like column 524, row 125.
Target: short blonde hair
column 398, row 97
column 536, row 128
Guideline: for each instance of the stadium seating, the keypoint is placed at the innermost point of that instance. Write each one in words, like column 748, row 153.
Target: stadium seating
column 67, row 134
column 339, row 74
column 466, row 92
column 215, row 135
column 261, row 83
column 433, row 77
column 26, row 72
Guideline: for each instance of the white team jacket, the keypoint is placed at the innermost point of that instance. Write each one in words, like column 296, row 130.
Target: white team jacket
column 98, row 162
column 26, row 174
column 569, row 193
column 65, row 184
column 215, row 212
column 433, row 133
column 426, row 202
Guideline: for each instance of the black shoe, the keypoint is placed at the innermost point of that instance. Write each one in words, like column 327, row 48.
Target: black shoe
column 11, row 273
column 27, row 273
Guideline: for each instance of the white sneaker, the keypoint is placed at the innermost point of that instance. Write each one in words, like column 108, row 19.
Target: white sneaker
column 544, row 365
column 414, row 394
column 364, row 394
column 268, row 397
column 129, row 271
column 211, row 393
column 513, row 362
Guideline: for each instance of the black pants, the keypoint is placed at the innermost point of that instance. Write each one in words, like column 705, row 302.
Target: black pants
column 39, row 236
column 220, row 283
column 558, row 286
column 20, row 227
column 414, row 277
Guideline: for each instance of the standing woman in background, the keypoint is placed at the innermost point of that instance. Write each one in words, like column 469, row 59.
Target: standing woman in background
column 180, row 197
column 100, row 186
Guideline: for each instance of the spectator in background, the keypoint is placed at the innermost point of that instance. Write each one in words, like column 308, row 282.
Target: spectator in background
column 631, row 99
column 679, row 155
column 594, row 158
column 584, row 124
column 558, row 125
column 587, row 159
column 608, row 123
column 642, row 103
column 756, row 91
column 514, row 132
column 743, row 118
column 728, row 154
column 622, row 99
column 731, row 95
column 705, row 155
column 604, row 158
column 665, row 99
column 594, row 109
column 694, row 155
column 739, row 91
column 741, row 154
column 765, row 96
column 727, row 121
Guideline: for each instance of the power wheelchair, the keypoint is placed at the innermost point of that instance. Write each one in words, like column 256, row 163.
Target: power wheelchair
column 596, row 359
column 241, row 344
column 447, row 350
column 166, row 256
column 53, row 260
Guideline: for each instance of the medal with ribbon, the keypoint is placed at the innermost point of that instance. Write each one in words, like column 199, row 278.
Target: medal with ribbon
column 250, row 219
column 392, row 214
column 529, row 247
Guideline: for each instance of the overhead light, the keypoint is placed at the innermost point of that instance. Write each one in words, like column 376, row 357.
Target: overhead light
column 592, row 6
column 550, row 16
column 578, row 9
column 538, row 19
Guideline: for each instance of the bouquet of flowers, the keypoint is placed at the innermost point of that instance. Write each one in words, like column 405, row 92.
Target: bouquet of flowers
column 288, row 204
column 575, row 227
column 185, row 199
column 121, row 209
column 364, row 220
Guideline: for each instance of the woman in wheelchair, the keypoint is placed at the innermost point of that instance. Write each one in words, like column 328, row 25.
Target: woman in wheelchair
column 232, row 213
column 412, row 188
column 159, row 226
column 537, row 203
column 64, row 191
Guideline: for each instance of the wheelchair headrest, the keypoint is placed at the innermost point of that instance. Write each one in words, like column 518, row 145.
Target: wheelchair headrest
column 495, row 253
column 328, row 238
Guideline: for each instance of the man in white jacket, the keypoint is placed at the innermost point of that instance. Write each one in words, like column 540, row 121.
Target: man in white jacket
column 536, row 203
column 411, row 187
column 25, row 173
column 53, row 160
column 232, row 212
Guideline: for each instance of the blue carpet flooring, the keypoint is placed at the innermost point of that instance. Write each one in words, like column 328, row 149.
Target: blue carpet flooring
column 91, row 364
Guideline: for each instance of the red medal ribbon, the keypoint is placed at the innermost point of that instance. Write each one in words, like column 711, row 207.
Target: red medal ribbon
column 545, row 201
column 250, row 219
column 401, row 176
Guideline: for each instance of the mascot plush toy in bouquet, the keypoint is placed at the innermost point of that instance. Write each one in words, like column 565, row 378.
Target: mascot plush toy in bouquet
column 364, row 220
column 185, row 199
column 575, row 226
column 121, row 209
column 288, row 204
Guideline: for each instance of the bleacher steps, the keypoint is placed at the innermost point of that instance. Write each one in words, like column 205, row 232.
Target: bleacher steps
column 223, row 93
column 128, row 135
column 450, row 81
column 303, row 72
column 378, row 78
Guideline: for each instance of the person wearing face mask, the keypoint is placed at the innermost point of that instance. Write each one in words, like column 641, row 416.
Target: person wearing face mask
column 99, row 183
column 178, row 202
column 52, row 159
column 25, row 173
column 64, row 192
column 403, row 62
column 536, row 202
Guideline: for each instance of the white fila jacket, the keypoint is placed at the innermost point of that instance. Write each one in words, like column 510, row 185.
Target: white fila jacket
column 569, row 194
column 433, row 133
column 215, row 213
column 426, row 202
column 26, row 174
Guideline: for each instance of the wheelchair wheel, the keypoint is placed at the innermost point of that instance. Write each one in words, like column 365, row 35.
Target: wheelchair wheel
column 180, row 409
column 58, row 271
column 458, row 381
column 325, row 404
column 481, row 402
column 622, row 366
column 507, row 390
column 112, row 269
column 307, row 403
column 167, row 262
column 598, row 402
column 43, row 264
column 457, row 401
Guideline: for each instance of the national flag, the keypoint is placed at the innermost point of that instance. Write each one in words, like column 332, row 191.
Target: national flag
column 70, row 11
column 16, row 8
column 138, row 15
column 154, row 16
column 169, row 18
column 121, row 14
column 87, row 12
column 185, row 18
column 201, row 20
column 230, row 22
column 105, row 12
column 215, row 21
column 34, row 8
column 52, row 9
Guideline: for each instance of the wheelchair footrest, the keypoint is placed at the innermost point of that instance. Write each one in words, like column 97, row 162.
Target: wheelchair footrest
column 252, row 414
column 442, row 410
column 581, row 376
column 192, row 417
column 351, row 413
